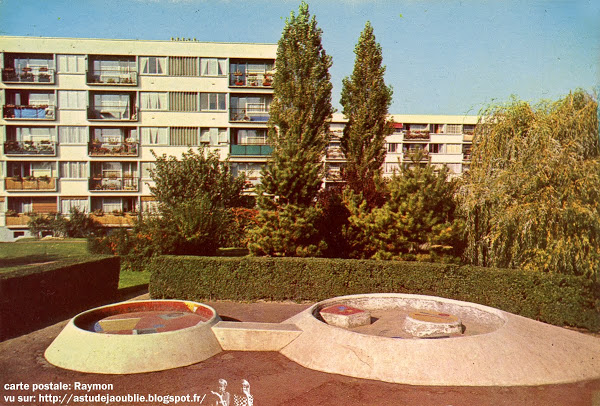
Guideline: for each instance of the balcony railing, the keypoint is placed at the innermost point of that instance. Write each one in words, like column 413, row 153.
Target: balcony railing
column 112, row 78
column 249, row 114
column 110, row 184
column 335, row 153
column 114, row 219
column 416, row 135
column 113, row 149
column 256, row 150
column 28, row 75
column 21, row 112
column 46, row 148
column 16, row 219
column 113, row 114
column 239, row 79
column 42, row 183
column 412, row 155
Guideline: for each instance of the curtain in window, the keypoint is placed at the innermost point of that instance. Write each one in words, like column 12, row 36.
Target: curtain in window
column 72, row 135
column 34, row 134
column 152, row 65
column 153, row 101
column 73, row 170
column 154, row 136
column 71, row 63
column 66, row 205
column 71, row 99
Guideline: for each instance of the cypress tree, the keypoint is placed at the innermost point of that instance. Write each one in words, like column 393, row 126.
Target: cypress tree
column 299, row 114
column 365, row 100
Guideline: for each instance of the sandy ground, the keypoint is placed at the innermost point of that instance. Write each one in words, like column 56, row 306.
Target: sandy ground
column 274, row 379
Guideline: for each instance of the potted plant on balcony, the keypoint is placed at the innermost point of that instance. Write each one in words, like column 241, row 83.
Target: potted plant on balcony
column 11, row 213
column 98, row 212
column 43, row 75
column 44, row 178
column 118, row 213
column 267, row 80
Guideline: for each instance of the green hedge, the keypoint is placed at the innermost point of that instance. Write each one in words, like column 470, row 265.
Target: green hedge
column 40, row 295
column 552, row 298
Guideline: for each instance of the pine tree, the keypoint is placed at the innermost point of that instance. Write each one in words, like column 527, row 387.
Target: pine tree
column 365, row 100
column 299, row 114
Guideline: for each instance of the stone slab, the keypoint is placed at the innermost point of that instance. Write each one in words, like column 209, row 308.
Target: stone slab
column 240, row 336
column 345, row 316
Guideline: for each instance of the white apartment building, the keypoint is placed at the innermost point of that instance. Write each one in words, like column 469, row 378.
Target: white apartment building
column 81, row 119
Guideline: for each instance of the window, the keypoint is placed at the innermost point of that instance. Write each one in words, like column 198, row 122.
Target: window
column 183, row 101
column 183, row 66
column 437, row 148
column 393, row 147
column 72, row 100
column 184, row 136
column 72, row 135
column 454, row 148
column 149, row 204
column 392, row 167
column 252, row 136
column 213, row 67
column 73, row 170
column 153, row 101
column 71, row 63
column 153, row 65
column 454, row 168
column 213, row 136
column 79, row 203
column 453, row 129
column 147, row 168
column 35, row 134
column 155, row 136
column 42, row 169
column 212, row 102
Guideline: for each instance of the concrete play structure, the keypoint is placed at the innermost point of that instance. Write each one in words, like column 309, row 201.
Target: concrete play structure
column 399, row 338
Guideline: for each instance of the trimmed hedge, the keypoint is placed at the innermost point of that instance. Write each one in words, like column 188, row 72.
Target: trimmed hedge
column 551, row 298
column 37, row 296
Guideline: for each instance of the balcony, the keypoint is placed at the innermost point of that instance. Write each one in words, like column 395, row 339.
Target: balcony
column 32, row 148
column 112, row 78
column 252, row 80
column 416, row 155
column 249, row 114
column 42, row 112
column 30, row 184
column 255, row 150
column 112, row 184
column 416, row 135
column 114, row 219
column 39, row 75
column 13, row 219
column 112, row 114
column 335, row 153
column 113, row 149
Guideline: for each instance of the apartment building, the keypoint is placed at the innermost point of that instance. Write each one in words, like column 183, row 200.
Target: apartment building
column 81, row 119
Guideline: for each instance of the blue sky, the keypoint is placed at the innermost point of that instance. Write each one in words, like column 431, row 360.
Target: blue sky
column 442, row 57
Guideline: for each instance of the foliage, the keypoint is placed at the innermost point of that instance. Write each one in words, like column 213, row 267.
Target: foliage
column 177, row 181
column 80, row 224
column 365, row 100
column 299, row 115
column 552, row 298
column 243, row 220
column 51, row 223
column 288, row 230
column 417, row 221
column 333, row 221
column 531, row 197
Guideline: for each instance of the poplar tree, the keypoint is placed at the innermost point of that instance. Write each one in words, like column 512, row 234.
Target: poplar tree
column 365, row 100
column 299, row 114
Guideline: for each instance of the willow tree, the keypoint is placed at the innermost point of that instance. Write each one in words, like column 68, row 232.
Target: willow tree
column 365, row 100
column 298, row 133
column 532, row 197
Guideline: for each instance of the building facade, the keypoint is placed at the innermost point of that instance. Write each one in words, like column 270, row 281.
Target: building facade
column 82, row 118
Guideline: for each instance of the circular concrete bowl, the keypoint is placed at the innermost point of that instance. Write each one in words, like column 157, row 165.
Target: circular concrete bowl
column 516, row 351
column 80, row 347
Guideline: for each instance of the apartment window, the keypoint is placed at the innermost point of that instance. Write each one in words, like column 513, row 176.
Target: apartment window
column 212, row 102
column 73, row 170
column 72, row 135
column 437, row 148
column 454, row 148
column 147, row 168
column 252, row 136
column 393, row 147
column 183, row 66
column 454, row 168
column 35, row 134
column 149, row 204
column 71, row 63
column 155, row 136
column 392, row 167
column 72, row 100
column 153, row 101
column 183, row 101
column 79, row 203
column 213, row 67
column 213, row 136
column 153, row 65
column 453, row 129
column 184, row 136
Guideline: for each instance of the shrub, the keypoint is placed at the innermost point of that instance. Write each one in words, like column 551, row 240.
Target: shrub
column 552, row 298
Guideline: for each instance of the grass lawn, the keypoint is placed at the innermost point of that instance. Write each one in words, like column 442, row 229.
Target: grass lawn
column 14, row 255
column 23, row 253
